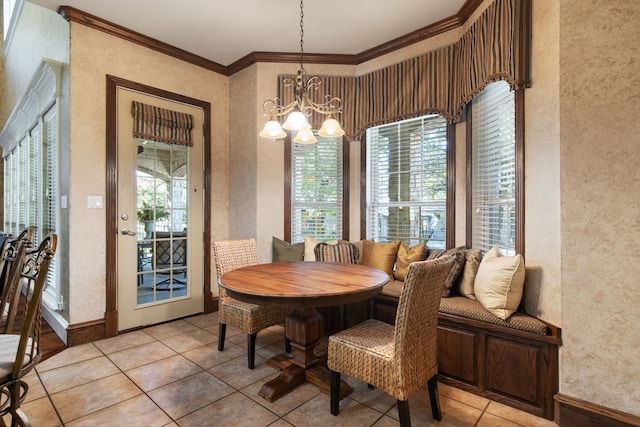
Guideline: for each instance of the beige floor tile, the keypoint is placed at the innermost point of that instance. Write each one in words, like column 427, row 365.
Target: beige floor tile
column 208, row 356
column 470, row 399
column 69, row 356
column 141, row 355
column 387, row 421
column 285, row 404
column 204, row 320
column 65, row 377
column 280, row 423
column 190, row 394
column 36, row 389
column 167, row 330
column 40, row 413
column 137, row 411
column 124, row 341
column 517, row 416
column 376, row 398
column 236, row 373
column 225, row 412
column 189, row 340
column 269, row 351
column 264, row 338
column 454, row 413
column 89, row 398
column 157, row 374
column 489, row 420
column 316, row 413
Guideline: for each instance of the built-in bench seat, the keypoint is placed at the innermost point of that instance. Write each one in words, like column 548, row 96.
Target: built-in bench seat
column 513, row 361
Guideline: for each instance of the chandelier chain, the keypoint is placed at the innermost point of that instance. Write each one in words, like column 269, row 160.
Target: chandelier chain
column 302, row 34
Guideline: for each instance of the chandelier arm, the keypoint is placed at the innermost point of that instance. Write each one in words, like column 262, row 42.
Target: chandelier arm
column 273, row 108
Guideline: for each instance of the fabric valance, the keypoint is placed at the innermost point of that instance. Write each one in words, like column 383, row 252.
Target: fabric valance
column 159, row 124
column 497, row 46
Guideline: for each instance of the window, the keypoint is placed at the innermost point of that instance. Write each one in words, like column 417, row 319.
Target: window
column 493, row 165
column 317, row 190
column 30, row 189
column 407, row 181
column 31, row 140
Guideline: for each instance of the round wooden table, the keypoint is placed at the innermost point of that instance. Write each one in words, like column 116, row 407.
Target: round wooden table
column 303, row 286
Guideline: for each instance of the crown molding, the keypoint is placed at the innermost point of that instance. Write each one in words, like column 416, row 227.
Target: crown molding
column 75, row 15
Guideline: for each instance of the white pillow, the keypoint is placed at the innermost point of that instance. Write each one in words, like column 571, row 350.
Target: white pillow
column 310, row 244
column 499, row 283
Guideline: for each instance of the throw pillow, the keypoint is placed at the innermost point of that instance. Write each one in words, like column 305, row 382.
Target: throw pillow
column 310, row 244
column 285, row 251
column 406, row 256
column 342, row 252
column 499, row 283
column 380, row 255
column 454, row 272
column 464, row 285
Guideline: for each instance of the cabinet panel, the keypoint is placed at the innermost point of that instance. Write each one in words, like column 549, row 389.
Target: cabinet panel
column 457, row 349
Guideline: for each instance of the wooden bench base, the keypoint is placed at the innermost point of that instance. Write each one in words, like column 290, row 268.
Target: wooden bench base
column 513, row 367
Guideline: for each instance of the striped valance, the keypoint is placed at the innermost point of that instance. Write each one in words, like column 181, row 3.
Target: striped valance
column 159, row 124
column 497, row 46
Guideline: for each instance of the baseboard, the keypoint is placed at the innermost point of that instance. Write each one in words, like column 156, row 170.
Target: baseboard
column 570, row 412
column 85, row 332
column 56, row 322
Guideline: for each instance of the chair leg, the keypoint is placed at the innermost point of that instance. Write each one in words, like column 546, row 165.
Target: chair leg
column 287, row 345
column 403, row 413
column 251, row 350
column 222, row 329
column 335, row 392
column 17, row 394
column 433, row 397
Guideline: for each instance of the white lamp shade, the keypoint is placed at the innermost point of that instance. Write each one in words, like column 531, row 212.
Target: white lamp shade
column 272, row 129
column 331, row 128
column 296, row 121
column 305, row 136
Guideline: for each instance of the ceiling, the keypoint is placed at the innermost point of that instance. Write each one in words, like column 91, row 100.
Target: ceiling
column 224, row 31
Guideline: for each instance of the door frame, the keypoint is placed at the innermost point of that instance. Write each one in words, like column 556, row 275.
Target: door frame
column 111, row 205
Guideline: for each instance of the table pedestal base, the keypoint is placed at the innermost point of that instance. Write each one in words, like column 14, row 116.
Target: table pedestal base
column 304, row 327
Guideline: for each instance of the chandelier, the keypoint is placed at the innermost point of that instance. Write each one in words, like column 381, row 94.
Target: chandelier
column 302, row 106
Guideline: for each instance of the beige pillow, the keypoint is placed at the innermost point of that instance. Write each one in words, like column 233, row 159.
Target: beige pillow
column 380, row 255
column 464, row 286
column 499, row 283
column 406, row 256
column 309, row 246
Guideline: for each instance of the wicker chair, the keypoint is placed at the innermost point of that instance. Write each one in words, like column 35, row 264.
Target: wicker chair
column 13, row 252
column 250, row 318
column 397, row 359
column 20, row 353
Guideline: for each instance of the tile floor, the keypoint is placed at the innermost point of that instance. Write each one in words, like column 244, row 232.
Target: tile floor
column 172, row 374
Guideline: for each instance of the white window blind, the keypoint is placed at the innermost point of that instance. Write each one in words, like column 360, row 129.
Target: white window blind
column 48, row 191
column 407, row 181
column 317, row 190
column 493, row 165
column 31, row 171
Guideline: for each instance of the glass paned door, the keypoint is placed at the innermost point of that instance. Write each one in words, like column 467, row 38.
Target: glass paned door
column 160, row 220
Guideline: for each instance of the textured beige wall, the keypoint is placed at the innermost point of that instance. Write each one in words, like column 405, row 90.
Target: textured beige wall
column 542, row 165
column 600, row 190
column 94, row 55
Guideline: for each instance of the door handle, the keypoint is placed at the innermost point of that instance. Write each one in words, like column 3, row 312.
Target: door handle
column 126, row 232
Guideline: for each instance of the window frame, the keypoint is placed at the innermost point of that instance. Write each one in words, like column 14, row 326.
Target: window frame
column 450, row 204
column 519, row 102
column 288, row 175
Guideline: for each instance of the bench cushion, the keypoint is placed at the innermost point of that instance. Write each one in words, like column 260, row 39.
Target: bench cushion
column 464, row 307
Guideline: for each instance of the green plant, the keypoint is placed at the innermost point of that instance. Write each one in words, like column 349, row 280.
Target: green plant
column 146, row 213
